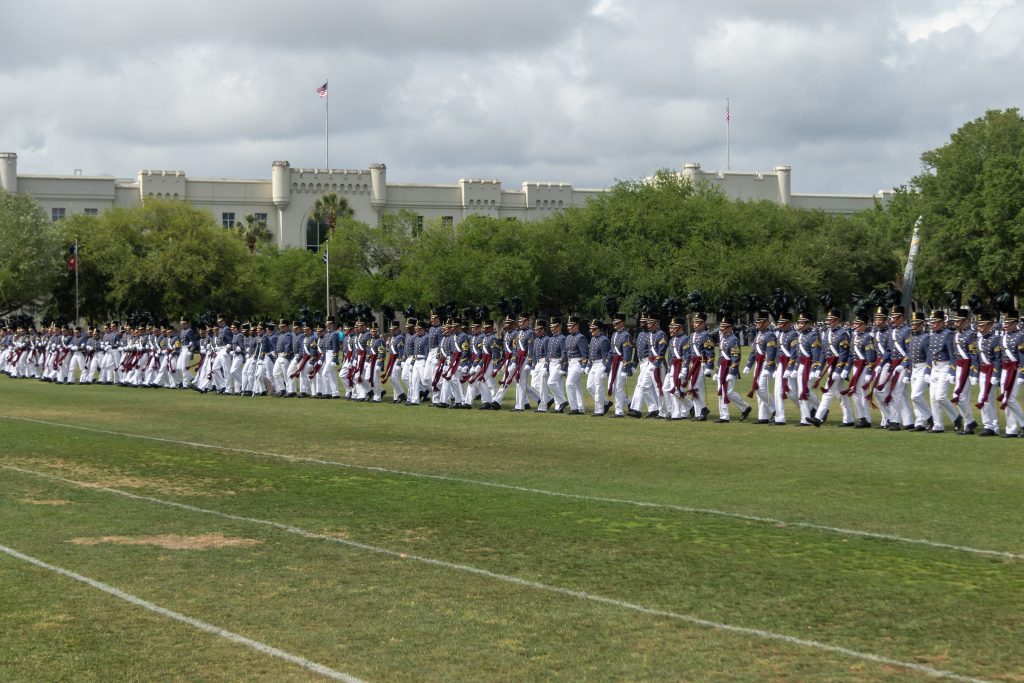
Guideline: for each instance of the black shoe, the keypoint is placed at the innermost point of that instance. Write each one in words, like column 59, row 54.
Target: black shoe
column 575, row 412
column 894, row 428
column 704, row 412
column 814, row 421
column 845, row 424
column 931, row 423
column 634, row 413
column 497, row 406
column 607, row 406
column 486, row 406
column 617, row 416
column 958, row 423
column 654, row 413
column 560, row 409
column 825, row 416
column 908, row 428
column 987, row 432
column 720, row 421
column 1009, row 436
column 597, row 415
column 746, row 411
column 920, row 428
column 527, row 406
column 403, row 398
column 971, row 426
column 551, row 402
column 862, row 424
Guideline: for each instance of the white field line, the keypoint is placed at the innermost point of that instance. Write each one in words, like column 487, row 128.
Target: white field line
column 526, row 583
column 194, row 623
column 882, row 536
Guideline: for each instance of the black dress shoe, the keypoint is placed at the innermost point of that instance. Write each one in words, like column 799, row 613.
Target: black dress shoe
column 894, row 428
column 746, row 411
column 616, row 416
column 958, row 423
column 560, row 409
column 931, row 422
column 575, row 412
column 920, row 428
column 845, row 424
column 908, row 428
column 987, row 432
column 402, row 398
column 720, row 421
column 1009, row 436
column 634, row 413
column 551, row 402
column 814, row 421
column 704, row 412
column 653, row 413
column 607, row 405
column 861, row 424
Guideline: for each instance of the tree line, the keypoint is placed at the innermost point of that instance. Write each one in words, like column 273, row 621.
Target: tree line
column 660, row 242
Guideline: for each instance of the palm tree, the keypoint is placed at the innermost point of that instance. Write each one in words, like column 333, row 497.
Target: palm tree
column 329, row 208
column 252, row 231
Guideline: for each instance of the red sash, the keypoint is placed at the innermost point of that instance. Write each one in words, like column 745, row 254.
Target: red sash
column 805, row 376
column 964, row 365
column 1009, row 376
column 616, row 362
column 830, row 364
column 783, row 366
column 759, row 364
column 387, row 371
column 858, row 370
column 723, row 379
column 986, row 377
column 677, row 366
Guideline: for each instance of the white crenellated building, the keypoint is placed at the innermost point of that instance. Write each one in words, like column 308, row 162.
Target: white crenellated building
column 285, row 201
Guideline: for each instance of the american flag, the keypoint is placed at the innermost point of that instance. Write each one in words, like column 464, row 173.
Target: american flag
column 322, row 90
column 727, row 116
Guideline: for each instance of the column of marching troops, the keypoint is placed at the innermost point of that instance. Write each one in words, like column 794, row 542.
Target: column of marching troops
column 920, row 374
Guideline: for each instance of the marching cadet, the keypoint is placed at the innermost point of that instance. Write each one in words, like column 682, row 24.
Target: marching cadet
column 553, row 365
column 883, row 363
column 420, row 349
column 537, row 362
column 330, row 345
column 235, row 360
column 651, row 347
column 942, row 372
column 677, row 367
column 574, row 359
column 623, row 359
column 489, row 349
column 375, row 350
column 408, row 358
column 990, row 353
column 835, row 371
column 808, row 355
column 521, row 376
column 282, row 358
column 471, row 386
column 917, row 366
column 507, row 360
column 965, row 362
column 434, row 335
column 895, row 398
column 1013, row 352
column 728, row 372
column 702, row 364
column 597, row 363
column 863, row 354
column 346, row 373
column 396, row 359
column 762, row 359
column 78, row 365
column 785, row 367
column 185, row 344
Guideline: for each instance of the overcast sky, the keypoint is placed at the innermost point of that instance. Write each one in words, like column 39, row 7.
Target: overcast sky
column 584, row 91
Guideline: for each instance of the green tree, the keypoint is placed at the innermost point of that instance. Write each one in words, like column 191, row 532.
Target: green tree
column 971, row 197
column 253, row 232
column 30, row 252
column 329, row 209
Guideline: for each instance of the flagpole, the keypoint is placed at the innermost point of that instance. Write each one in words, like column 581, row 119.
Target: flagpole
column 728, row 123
column 77, row 319
column 327, row 265
column 327, row 127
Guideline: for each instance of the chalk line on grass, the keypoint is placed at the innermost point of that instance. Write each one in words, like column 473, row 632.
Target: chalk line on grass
column 526, row 583
column 194, row 623
column 877, row 535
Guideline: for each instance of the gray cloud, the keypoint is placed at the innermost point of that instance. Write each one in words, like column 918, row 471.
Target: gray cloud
column 849, row 94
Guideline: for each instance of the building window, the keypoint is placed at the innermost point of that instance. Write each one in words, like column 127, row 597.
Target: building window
column 57, row 214
column 92, row 212
column 227, row 219
column 260, row 218
column 447, row 221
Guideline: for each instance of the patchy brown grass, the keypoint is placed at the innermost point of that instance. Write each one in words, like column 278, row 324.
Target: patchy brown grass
column 98, row 477
column 172, row 541
column 55, row 501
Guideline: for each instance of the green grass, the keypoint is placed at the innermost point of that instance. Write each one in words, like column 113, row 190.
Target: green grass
column 381, row 618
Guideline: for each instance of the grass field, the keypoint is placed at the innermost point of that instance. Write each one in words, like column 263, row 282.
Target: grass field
column 388, row 543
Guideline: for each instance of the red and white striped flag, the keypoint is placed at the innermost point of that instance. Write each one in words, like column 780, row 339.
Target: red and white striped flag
column 322, row 90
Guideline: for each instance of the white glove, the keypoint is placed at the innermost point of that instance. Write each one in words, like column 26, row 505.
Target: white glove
column 904, row 379
column 744, row 371
column 790, row 374
column 815, row 375
column 845, row 374
column 994, row 380
column 707, row 373
column 951, row 379
column 974, row 381
column 1019, row 380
